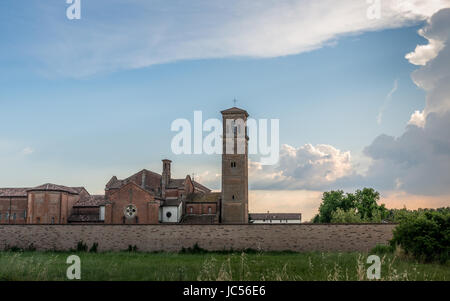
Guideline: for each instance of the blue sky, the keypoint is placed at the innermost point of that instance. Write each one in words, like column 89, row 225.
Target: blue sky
column 62, row 124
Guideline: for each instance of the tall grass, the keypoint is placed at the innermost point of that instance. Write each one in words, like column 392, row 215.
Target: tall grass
column 237, row 266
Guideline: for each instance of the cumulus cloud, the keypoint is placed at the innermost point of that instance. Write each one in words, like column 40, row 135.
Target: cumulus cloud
column 418, row 161
column 434, row 77
column 424, row 53
column 305, row 167
column 417, row 119
column 135, row 34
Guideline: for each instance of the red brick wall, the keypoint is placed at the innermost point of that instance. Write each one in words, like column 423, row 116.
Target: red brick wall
column 201, row 208
column 47, row 207
column 130, row 194
column 306, row 237
column 10, row 207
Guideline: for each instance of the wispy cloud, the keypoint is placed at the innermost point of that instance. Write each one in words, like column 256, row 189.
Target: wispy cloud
column 27, row 151
column 387, row 101
column 152, row 32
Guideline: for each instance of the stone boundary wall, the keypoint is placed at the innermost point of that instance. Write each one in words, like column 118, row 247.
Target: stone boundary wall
column 293, row 237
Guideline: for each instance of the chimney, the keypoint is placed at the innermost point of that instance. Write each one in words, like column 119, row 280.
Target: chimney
column 165, row 176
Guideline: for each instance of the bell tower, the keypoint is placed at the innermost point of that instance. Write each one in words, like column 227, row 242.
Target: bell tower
column 234, row 205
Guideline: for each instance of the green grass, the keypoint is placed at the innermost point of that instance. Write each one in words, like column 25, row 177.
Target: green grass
column 28, row 265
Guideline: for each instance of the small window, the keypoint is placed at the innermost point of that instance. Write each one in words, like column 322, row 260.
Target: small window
column 38, row 220
column 191, row 210
column 232, row 197
column 209, row 210
column 0, row 216
column 233, row 164
column 53, row 220
column 14, row 216
column 169, row 214
column 25, row 214
column 7, row 215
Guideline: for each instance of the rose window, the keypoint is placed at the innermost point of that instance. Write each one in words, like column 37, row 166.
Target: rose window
column 130, row 211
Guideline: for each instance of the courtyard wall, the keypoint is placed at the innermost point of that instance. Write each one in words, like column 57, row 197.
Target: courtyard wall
column 299, row 237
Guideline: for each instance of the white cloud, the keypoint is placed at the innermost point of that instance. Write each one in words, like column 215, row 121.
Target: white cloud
column 424, row 53
column 305, row 167
column 418, row 162
column 434, row 76
column 417, row 119
column 152, row 32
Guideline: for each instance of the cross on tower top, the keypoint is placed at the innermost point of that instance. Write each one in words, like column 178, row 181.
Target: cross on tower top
column 234, row 101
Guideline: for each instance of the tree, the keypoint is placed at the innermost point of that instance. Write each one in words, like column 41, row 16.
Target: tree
column 343, row 216
column 425, row 235
column 362, row 203
column 366, row 203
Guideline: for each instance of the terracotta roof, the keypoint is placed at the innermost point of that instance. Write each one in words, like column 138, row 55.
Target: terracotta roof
column 201, row 187
column 269, row 216
column 204, row 197
column 79, row 189
column 91, row 201
column 137, row 178
column 234, row 110
column 53, row 187
column 176, row 183
column 13, row 192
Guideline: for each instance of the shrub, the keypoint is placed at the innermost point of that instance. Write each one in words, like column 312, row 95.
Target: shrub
column 82, row 247
column 426, row 236
column 196, row 249
column 94, row 247
column 132, row 248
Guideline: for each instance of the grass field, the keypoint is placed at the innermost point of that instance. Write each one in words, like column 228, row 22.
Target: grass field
column 213, row 266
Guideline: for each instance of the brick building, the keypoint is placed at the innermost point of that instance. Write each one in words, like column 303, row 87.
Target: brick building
column 145, row 197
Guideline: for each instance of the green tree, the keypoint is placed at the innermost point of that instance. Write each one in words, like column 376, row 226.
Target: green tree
column 346, row 216
column 425, row 235
column 362, row 202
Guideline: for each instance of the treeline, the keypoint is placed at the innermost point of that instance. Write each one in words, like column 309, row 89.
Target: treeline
column 362, row 207
column 423, row 233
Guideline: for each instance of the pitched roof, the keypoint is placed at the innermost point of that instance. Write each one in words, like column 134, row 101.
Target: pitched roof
column 13, row 192
column 79, row 189
column 201, row 187
column 211, row 197
column 142, row 178
column 269, row 216
column 53, row 187
column 176, row 183
column 91, row 201
column 234, row 110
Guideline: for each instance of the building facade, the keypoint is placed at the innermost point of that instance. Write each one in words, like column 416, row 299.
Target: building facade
column 234, row 167
column 145, row 197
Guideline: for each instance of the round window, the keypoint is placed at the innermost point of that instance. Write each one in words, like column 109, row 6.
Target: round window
column 130, row 211
column 169, row 214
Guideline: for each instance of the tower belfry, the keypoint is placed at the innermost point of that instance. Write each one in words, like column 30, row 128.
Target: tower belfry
column 234, row 167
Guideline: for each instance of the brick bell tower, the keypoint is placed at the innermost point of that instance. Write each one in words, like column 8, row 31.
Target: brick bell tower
column 234, row 205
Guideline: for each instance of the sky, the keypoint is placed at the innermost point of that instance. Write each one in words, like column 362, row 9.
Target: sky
column 362, row 101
